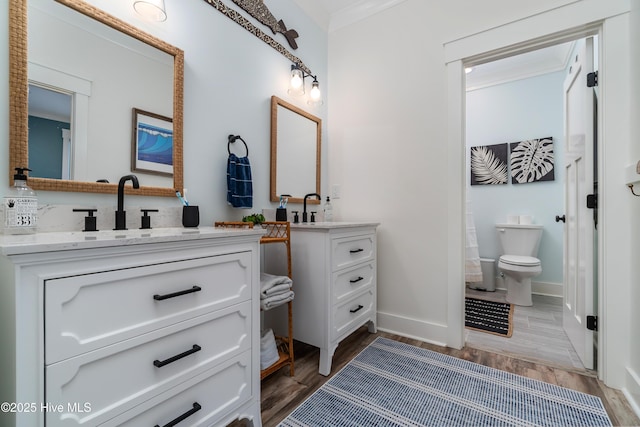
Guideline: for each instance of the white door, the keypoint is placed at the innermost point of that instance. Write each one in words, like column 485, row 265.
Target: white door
column 579, row 226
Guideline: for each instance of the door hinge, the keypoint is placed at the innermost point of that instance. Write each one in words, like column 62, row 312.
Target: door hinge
column 592, row 201
column 592, row 79
column 592, row 323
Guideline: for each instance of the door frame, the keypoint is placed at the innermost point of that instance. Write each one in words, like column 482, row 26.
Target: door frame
column 572, row 21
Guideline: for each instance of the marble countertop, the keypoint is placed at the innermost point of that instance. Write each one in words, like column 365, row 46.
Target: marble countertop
column 59, row 241
column 331, row 225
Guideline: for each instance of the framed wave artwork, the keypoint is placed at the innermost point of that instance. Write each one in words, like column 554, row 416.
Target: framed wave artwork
column 152, row 143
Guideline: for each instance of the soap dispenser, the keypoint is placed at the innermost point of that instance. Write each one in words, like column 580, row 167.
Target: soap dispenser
column 328, row 210
column 20, row 206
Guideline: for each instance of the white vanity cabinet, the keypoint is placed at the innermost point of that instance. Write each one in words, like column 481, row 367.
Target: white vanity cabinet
column 334, row 280
column 108, row 330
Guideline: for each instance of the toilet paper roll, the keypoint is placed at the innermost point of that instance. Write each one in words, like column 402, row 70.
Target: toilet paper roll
column 513, row 219
column 526, row 219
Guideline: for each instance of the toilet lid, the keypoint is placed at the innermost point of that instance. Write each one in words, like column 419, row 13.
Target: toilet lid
column 519, row 260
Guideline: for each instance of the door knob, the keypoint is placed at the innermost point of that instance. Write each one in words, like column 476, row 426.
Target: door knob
column 560, row 218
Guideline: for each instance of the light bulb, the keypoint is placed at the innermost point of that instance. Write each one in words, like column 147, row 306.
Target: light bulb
column 296, row 80
column 315, row 96
column 315, row 91
column 296, row 84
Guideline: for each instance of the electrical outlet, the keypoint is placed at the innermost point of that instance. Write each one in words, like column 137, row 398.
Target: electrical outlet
column 336, row 190
column 638, row 167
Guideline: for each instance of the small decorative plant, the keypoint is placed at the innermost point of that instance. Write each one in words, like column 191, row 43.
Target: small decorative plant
column 255, row 218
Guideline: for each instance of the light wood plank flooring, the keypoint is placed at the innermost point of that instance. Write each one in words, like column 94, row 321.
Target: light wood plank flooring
column 537, row 332
column 281, row 394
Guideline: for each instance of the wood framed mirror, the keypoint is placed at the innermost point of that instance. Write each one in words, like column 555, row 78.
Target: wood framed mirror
column 295, row 152
column 22, row 70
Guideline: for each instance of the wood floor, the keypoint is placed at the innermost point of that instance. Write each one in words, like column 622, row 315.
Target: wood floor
column 281, row 394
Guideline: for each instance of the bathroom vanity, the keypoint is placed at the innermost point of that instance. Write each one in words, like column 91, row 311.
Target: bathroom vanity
column 132, row 327
column 334, row 281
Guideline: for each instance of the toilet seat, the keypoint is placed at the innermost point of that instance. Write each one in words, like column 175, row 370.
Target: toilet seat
column 519, row 260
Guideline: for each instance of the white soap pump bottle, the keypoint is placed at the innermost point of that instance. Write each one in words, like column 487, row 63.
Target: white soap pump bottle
column 20, row 206
column 328, row 210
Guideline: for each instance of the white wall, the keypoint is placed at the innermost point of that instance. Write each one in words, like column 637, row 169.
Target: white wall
column 633, row 371
column 230, row 76
column 387, row 152
column 511, row 112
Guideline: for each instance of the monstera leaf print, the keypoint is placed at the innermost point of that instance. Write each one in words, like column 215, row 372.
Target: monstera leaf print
column 486, row 167
column 532, row 160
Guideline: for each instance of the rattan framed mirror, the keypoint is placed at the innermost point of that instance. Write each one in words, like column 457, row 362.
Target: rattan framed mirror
column 296, row 139
column 19, row 103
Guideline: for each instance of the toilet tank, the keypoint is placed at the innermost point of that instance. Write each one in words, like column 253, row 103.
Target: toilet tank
column 518, row 239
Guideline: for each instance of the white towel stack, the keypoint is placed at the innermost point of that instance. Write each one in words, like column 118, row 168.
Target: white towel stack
column 274, row 291
column 268, row 350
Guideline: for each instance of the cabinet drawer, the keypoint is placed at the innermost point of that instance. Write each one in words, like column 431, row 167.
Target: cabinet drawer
column 84, row 313
column 116, row 381
column 346, row 283
column 350, row 314
column 217, row 393
column 348, row 251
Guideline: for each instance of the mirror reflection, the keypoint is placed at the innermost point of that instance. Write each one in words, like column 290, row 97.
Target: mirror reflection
column 295, row 151
column 79, row 111
column 50, row 142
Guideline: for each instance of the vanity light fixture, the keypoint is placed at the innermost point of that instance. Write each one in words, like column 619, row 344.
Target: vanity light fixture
column 296, row 85
column 152, row 10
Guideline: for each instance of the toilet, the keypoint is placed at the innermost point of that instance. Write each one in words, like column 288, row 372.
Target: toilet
column 518, row 263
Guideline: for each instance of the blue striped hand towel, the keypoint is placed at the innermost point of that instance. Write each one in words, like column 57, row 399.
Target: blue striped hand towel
column 239, row 185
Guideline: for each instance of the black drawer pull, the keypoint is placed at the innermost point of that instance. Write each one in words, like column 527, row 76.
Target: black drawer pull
column 159, row 364
column 356, row 280
column 177, row 294
column 196, row 408
column 355, row 251
column 360, row 307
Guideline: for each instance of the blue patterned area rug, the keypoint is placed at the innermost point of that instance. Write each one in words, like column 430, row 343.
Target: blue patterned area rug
column 394, row 384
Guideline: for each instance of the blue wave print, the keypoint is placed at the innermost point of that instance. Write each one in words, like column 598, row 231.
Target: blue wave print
column 155, row 144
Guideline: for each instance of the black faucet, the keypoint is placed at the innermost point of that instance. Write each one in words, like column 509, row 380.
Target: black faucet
column 121, row 215
column 304, row 212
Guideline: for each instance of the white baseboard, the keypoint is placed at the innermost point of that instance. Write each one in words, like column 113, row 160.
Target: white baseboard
column 538, row 288
column 632, row 390
column 412, row 328
column 545, row 288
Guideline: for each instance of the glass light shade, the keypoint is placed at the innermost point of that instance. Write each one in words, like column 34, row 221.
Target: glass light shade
column 152, row 10
column 315, row 96
column 296, row 84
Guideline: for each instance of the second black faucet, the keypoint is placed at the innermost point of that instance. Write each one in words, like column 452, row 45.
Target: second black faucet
column 304, row 212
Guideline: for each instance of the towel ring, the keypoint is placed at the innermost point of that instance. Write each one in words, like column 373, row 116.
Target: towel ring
column 232, row 139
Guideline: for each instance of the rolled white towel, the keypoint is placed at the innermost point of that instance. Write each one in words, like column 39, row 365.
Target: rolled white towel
column 270, row 284
column 276, row 300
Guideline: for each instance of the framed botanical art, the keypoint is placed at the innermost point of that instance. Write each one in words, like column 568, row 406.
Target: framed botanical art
column 489, row 164
column 532, row 160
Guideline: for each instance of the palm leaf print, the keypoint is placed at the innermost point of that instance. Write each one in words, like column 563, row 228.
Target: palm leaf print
column 532, row 160
column 486, row 167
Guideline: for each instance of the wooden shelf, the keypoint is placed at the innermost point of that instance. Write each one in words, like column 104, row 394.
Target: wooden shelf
column 284, row 360
column 276, row 232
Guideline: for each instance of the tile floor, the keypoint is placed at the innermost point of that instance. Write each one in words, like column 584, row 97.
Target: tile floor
column 537, row 333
